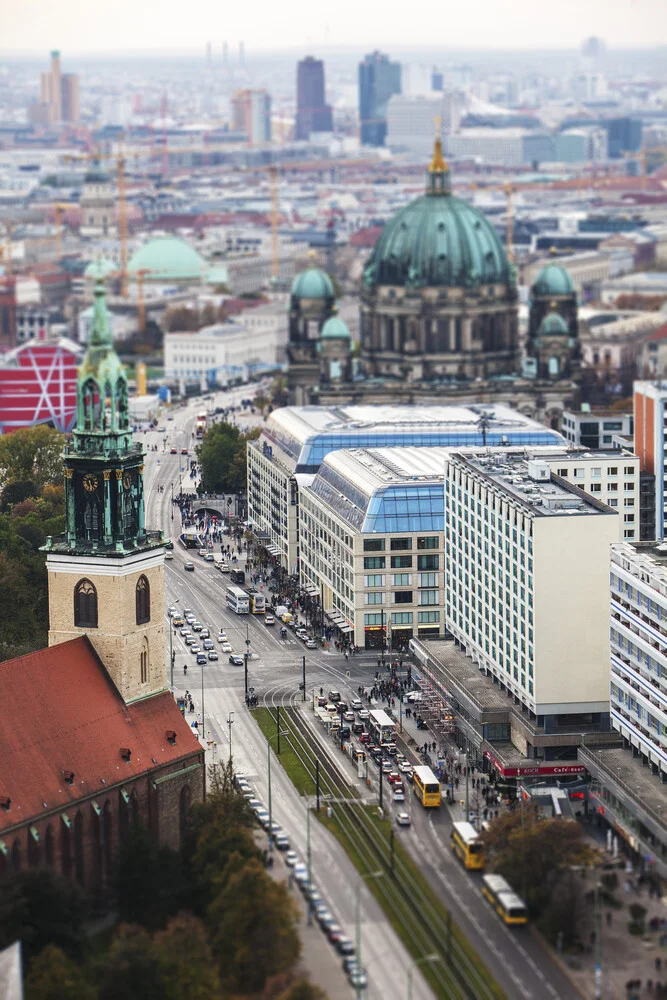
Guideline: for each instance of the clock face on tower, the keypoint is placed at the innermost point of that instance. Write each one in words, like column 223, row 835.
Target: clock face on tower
column 90, row 482
column 127, row 480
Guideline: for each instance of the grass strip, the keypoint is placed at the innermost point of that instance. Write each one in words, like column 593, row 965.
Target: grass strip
column 295, row 770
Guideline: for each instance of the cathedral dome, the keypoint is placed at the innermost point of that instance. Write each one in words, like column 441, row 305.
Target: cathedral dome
column 166, row 258
column 100, row 269
column 313, row 283
column 553, row 325
column 438, row 240
column 553, row 279
column 335, row 327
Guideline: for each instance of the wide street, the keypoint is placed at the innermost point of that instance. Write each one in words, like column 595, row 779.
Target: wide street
column 518, row 960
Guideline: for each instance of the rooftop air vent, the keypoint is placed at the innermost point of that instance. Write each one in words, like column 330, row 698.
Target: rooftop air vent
column 5, row 802
column 539, row 471
column 171, row 736
column 126, row 754
column 68, row 777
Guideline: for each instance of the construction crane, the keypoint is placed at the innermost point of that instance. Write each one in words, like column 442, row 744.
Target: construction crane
column 141, row 303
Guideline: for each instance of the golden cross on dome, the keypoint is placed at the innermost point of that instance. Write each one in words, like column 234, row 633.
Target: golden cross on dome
column 438, row 163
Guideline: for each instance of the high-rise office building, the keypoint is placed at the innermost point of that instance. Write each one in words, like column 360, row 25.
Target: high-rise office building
column 58, row 96
column 313, row 114
column 527, row 569
column 650, row 414
column 379, row 79
column 251, row 110
column 71, row 107
column 437, row 80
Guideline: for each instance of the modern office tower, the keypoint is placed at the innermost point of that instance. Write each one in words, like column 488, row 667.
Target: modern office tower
column 313, row 114
column 71, row 107
column 242, row 55
column 624, row 135
column 251, row 112
column 437, row 79
column 58, row 96
column 411, row 121
column 225, row 55
column 296, row 439
column 379, row 79
column 650, row 414
column 527, row 569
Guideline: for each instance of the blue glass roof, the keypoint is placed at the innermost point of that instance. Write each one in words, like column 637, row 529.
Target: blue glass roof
column 315, row 448
column 407, row 508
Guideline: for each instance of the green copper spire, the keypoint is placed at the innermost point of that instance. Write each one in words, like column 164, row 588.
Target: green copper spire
column 102, row 418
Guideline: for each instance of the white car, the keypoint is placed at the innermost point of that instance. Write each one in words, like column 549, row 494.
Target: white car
column 222, row 637
column 405, row 766
column 269, row 620
column 291, row 858
column 356, row 705
column 195, row 648
column 403, row 819
column 310, row 644
column 399, row 795
column 227, row 647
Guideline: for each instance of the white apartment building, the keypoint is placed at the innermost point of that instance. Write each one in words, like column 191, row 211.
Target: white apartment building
column 526, row 564
column 598, row 429
column 638, row 639
column 609, row 476
column 221, row 353
column 370, row 542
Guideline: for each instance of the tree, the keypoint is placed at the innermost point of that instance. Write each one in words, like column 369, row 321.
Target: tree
column 150, row 881
column 54, row 976
column 303, row 990
column 222, row 458
column 531, row 852
column 41, row 908
column 132, row 968
column 32, row 453
column 252, row 927
column 188, row 968
column 17, row 492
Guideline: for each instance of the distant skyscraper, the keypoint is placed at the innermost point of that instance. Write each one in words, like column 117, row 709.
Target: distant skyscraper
column 71, row 109
column 58, row 97
column 209, row 55
column 225, row 55
column 242, row 55
column 252, row 114
column 312, row 113
column 437, row 79
column 379, row 79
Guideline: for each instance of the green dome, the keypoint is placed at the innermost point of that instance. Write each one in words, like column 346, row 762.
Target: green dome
column 438, row 240
column 313, row 283
column 553, row 279
column 99, row 269
column 553, row 325
column 335, row 327
column 166, row 258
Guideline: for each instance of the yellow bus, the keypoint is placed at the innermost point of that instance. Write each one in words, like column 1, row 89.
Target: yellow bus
column 509, row 907
column 467, row 846
column 427, row 787
column 257, row 602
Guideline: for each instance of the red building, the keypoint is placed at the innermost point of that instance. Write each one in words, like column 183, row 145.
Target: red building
column 82, row 765
column 38, row 385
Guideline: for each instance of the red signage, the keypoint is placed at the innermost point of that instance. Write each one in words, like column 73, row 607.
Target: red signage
column 532, row 770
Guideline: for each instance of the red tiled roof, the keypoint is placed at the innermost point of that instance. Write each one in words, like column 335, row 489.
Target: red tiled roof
column 366, row 238
column 659, row 334
column 63, row 713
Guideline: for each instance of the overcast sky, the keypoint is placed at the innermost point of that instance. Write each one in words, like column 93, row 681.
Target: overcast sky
column 120, row 25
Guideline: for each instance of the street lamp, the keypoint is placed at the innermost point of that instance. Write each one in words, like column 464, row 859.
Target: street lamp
column 433, row 957
column 268, row 748
column 362, row 879
column 230, row 722
column 171, row 648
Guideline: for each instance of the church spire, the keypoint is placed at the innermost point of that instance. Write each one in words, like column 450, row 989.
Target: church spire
column 438, row 179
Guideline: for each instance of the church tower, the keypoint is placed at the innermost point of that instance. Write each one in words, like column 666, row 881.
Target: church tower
column 106, row 574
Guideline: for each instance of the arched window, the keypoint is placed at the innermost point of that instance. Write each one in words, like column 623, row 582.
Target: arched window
column 143, row 663
column 85, row 605
column 49, row 846
column 143, row 597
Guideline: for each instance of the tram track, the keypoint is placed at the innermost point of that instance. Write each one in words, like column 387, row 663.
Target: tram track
column 457, row 975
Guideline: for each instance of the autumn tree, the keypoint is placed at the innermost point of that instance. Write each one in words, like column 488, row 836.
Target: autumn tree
column 55, row 976
column 31, row 453
column 188, row 967
column 533, row 854
column 252, row 926
column 40, row 908
column 222, row 458
column 150, row 882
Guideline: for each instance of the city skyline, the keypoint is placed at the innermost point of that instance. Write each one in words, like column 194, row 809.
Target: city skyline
column 37, row 25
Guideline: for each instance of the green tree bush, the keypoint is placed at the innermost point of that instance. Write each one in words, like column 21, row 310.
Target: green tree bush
column 40, row 908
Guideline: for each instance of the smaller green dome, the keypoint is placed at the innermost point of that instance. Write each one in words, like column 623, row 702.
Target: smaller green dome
column 167, row 258
column 99, row 269
column 554, row 279
column 335, row 327
column 313, row 283
column 553, row 325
